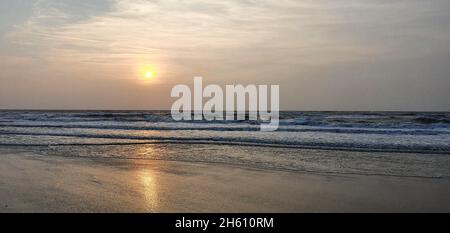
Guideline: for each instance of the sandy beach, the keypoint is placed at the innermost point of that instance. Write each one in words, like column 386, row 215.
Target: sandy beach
column 35, row 183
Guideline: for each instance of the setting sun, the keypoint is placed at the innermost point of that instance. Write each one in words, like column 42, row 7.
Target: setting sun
column 149, row 74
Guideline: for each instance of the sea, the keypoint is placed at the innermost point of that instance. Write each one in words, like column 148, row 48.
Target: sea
column 404, row 144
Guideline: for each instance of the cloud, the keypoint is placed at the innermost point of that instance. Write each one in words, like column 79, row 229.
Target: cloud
column 276, row 41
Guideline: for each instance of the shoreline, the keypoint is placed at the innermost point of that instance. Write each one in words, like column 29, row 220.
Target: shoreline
column 36, row 183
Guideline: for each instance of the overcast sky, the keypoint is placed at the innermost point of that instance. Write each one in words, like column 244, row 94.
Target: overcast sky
column 325, row 55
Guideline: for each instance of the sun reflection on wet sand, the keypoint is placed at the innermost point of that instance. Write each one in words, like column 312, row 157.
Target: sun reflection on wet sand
column 149, row 183
column 148, row 178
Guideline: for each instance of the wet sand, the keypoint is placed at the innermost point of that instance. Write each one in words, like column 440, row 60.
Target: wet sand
column 34, row 183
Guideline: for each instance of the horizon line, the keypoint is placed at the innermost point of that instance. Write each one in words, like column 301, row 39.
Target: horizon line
column 168, row 110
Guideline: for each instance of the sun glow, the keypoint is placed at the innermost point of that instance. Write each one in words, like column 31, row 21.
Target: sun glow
column 149, row 74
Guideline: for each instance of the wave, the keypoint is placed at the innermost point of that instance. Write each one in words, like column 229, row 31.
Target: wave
column 347, row 119
column 421, row 149
column 180, row 127
column 362, row 131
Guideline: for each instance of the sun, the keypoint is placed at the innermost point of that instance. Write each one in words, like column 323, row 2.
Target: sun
column 149, row 74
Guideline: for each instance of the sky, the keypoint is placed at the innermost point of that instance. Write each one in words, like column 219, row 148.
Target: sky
column 324, row 54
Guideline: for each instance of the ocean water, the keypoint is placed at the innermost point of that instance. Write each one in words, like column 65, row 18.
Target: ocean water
column 381, row 143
